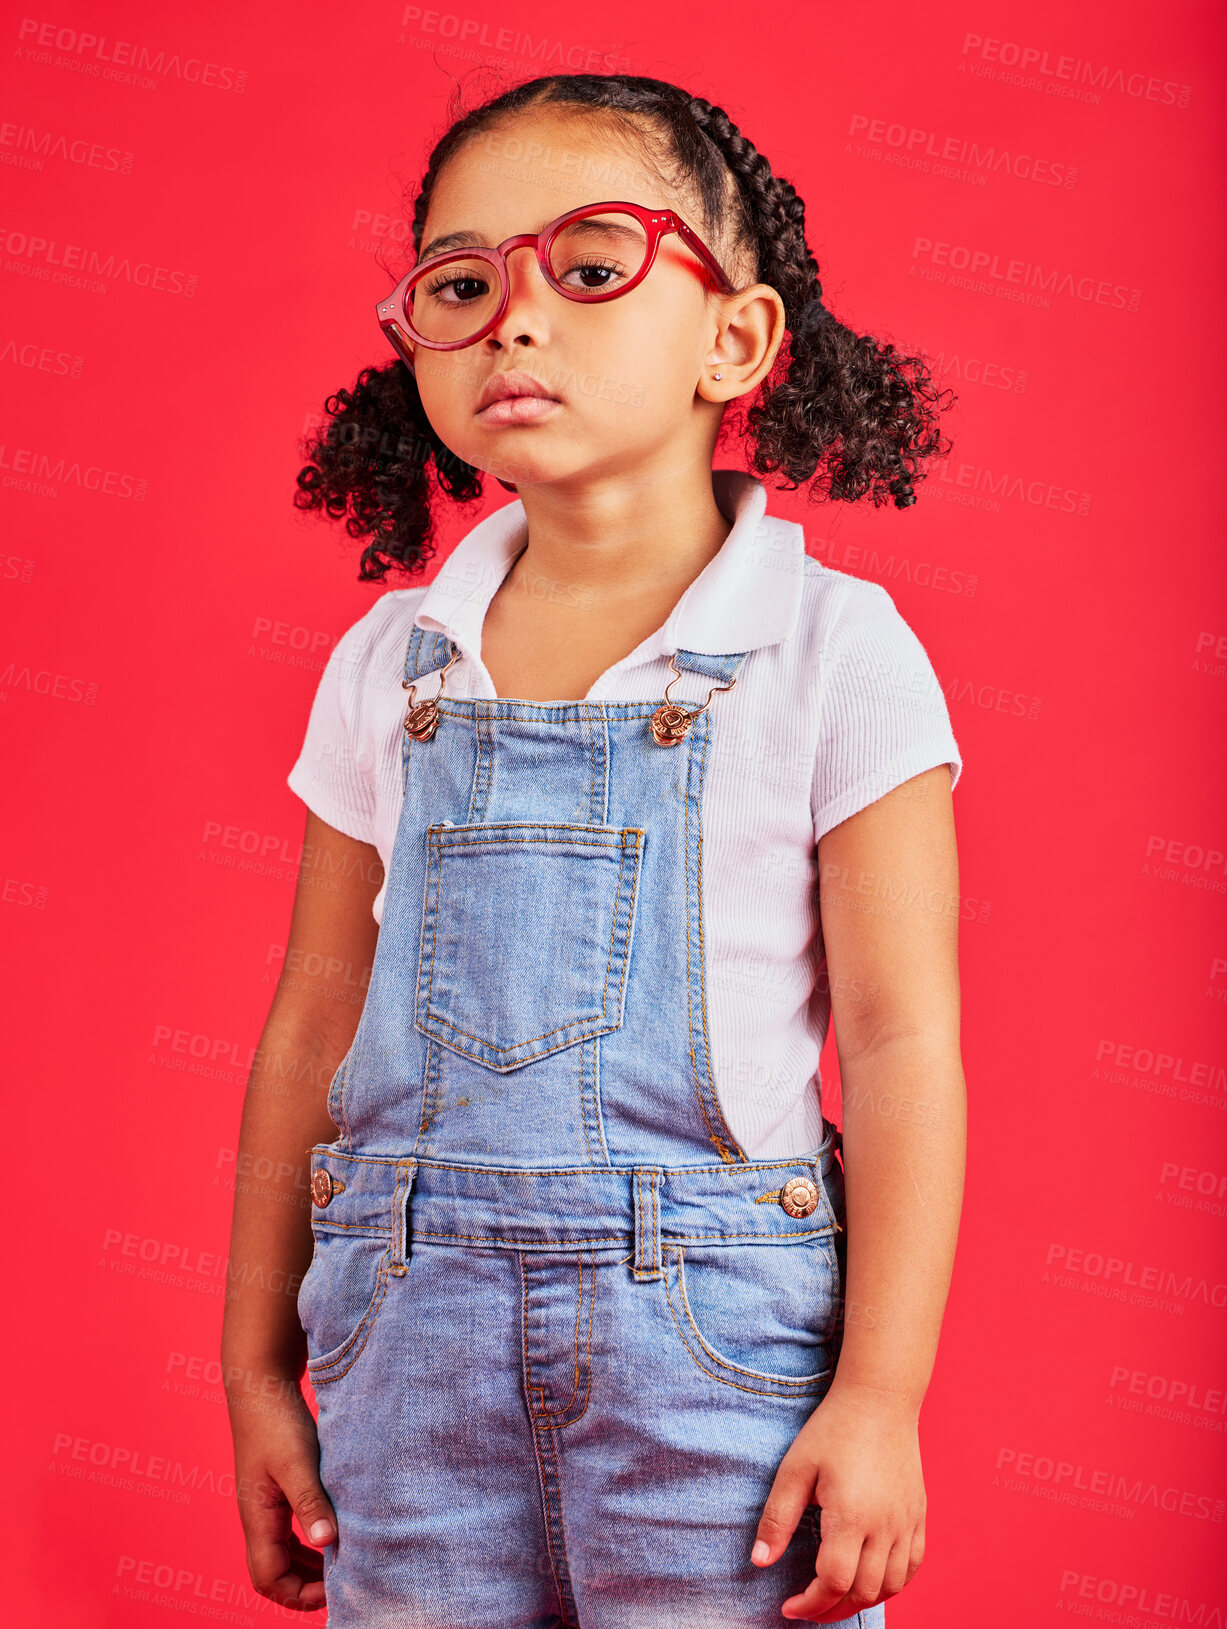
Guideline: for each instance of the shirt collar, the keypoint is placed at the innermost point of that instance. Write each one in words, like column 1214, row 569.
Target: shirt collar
column 748, row 595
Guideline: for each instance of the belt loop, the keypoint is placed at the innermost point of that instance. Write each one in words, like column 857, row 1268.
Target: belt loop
column 647, row 1222
column 406, row 1170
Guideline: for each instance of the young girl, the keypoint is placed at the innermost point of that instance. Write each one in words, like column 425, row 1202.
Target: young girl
column 597, row 1334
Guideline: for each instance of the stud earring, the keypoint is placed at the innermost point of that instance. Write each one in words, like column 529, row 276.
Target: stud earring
column 715, row 375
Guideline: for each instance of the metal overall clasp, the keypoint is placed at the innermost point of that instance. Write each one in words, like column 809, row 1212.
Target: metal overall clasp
column 422, row 719
column 671, row 723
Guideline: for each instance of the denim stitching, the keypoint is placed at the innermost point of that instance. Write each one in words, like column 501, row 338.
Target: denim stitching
column 712, row 1169
column 645, row 1178
column 598, row 789
column 649, row 1180
column 505, row 709
column 563, row 1590
column 430, row 914
column 582, row 1082
column 483, row 768
column 565, row 1598
column 338, row 1119
column 553, row 1419
column 613, row 937
column 478, row 835
column 316, row 1367
column 629, row 839
column 590, row 1101
column 706, row 1083
column 694, row 916
column 402, row 1244
column 507, row 1241
column 518, row 1063
column 432, row 1077
column 801, row 1387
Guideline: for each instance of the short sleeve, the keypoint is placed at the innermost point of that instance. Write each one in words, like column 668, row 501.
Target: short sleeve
column 331, row 775
column 883, row 717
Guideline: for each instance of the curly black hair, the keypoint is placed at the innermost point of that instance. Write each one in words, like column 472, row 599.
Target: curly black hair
column 840, row 411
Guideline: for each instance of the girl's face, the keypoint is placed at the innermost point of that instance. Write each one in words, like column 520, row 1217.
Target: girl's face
column 623, row 374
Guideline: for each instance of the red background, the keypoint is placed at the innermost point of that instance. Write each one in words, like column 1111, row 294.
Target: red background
column 167, row 615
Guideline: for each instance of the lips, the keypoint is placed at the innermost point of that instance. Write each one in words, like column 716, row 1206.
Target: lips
column 515, row 398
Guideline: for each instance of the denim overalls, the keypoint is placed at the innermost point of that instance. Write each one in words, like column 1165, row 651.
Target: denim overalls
column 561, row 1329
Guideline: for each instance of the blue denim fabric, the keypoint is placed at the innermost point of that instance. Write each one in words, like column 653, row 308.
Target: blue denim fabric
column 560, row 1329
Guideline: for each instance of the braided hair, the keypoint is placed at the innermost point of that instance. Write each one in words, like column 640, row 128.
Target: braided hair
column 841, row 412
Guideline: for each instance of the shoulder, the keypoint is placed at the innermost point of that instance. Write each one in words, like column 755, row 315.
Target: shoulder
column 868, row 662
column 372, row 649
column 840, row 612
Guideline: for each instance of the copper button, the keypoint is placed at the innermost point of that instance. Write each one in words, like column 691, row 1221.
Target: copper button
column 321, row 1187
column 799, row 1196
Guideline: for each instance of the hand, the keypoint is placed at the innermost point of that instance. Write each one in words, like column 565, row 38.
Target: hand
column 276, row 1461
column 858, row 1458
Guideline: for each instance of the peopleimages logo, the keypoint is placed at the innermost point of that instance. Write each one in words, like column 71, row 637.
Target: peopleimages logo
column 40, row 358
column 30, row 469
column 82, row 266
column 984, row 271
column 1134, row 1603
column 1017, row 1468
column 976, row 482
column 28, row 148
column 1037, row 69
column 475, row 32
column 956, row 157
column 124, row 61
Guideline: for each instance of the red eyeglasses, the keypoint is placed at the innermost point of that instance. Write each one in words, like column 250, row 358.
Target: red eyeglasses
column 595, row 253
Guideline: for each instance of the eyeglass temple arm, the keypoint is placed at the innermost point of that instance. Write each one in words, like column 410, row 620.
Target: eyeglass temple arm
column 698, row 247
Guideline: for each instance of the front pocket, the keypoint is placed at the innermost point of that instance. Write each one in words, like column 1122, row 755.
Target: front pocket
column 339, row 1298
column 526, row 937
column 760, row 1315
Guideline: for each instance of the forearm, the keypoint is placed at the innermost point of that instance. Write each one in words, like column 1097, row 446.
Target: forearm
column 904, row 1148
column 284, row 1115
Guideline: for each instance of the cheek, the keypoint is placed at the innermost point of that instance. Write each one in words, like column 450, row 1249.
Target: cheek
column 447, row 393
column 642, row 368
column 449, row 384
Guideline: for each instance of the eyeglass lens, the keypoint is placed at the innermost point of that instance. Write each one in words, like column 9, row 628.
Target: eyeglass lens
column 590, row 256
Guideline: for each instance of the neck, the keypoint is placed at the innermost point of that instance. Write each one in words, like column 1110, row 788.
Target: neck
column 621, row 537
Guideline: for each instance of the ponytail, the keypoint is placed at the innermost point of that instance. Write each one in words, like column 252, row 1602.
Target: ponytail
column 376, row 461
column 850, row 404
column 841, row 410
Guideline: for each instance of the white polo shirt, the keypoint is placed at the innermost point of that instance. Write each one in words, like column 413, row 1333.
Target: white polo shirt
column 836, row 704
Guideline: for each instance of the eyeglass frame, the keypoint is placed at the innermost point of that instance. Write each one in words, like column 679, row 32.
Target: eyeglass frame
column 393, row 311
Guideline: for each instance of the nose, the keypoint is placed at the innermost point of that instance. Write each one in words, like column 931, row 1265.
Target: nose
column 526, row 319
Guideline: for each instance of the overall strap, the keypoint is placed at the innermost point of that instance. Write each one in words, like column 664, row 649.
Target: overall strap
column 427, row 652
column 720, row 668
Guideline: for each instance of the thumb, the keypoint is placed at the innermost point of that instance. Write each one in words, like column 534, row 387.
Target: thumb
column 315, row 1514
column 790, row 1493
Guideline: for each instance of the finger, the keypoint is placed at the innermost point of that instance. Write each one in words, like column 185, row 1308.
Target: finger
column 281, row 1566
column 866, row 1588
column 791, row 1491
column 918, row 1551
column 901, row 1564
column 839, row 1558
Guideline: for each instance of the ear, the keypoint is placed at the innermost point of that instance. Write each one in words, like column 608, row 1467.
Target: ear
column 749, row 330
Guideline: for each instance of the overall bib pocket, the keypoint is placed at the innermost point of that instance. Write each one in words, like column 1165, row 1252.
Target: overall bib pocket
column 526, row 937
column 340, row 1297
column 758, row 1315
